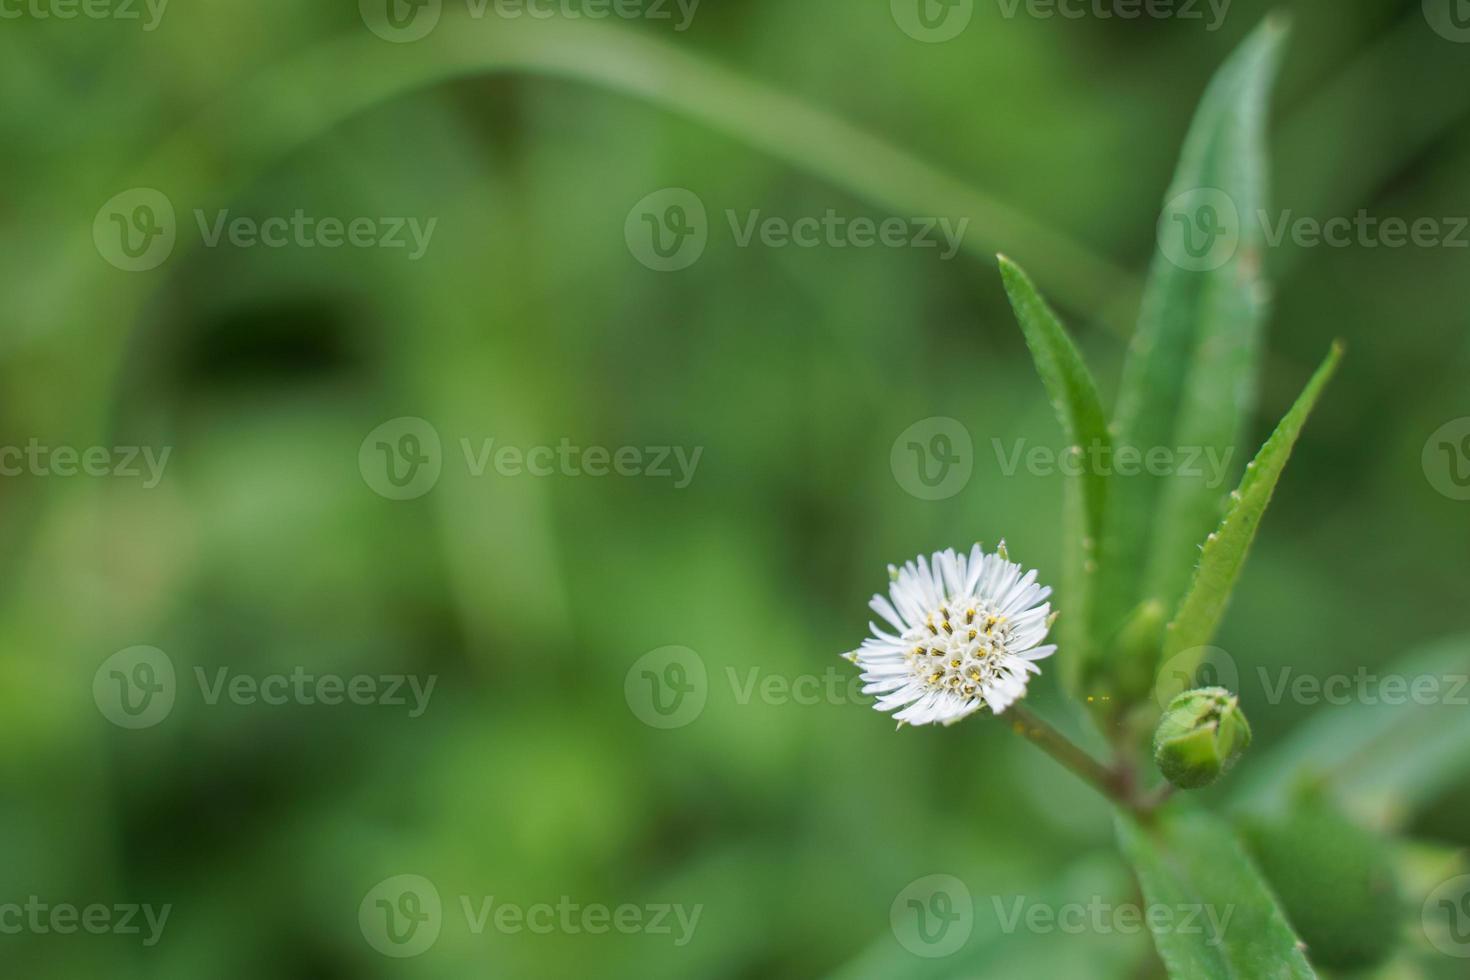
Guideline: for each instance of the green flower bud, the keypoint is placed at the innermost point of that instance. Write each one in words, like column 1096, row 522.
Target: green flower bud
column 1202, row 734
column 1335, row 880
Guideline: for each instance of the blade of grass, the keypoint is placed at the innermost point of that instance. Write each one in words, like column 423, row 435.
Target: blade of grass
column 1225, row 551
column 1079, row 410
column 1190, row 377
column 1192, row 860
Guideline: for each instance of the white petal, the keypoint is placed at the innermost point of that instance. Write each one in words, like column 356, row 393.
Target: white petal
column 884, row 608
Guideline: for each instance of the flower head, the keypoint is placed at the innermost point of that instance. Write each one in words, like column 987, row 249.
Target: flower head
column 967, row 635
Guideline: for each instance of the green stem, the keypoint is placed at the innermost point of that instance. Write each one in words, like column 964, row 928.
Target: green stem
column 1111, row 783
column 1117, row 782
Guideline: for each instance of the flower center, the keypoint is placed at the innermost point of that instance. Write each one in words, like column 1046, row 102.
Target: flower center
column 960, row 648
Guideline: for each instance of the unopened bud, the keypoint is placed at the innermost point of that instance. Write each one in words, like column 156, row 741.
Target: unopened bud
column 1202, row 734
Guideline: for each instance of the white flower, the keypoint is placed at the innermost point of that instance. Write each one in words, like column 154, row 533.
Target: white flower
column 968, row 635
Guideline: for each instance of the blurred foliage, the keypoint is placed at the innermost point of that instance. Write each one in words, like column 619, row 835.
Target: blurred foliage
column 529, row 321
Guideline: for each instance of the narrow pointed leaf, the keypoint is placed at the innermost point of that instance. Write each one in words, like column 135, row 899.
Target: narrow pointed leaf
column 1225, row 551
column 1191, row 863
column 1189, row 383
column 1079, row 410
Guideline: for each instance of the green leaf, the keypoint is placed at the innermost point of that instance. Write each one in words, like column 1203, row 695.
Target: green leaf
column 1190, row 861
column 1383, row 757
column 1225, row 551
column 1189, row 383
column 1079, row 409
column 996, row 946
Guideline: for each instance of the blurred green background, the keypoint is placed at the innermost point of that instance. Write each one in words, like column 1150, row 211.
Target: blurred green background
column 531, row 318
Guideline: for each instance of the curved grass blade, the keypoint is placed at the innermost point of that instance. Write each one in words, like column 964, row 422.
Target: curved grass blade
column 1225, row 551
column 1190, row 376
column 1383, row 760
column 1190, row 863
column 1079, row 410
